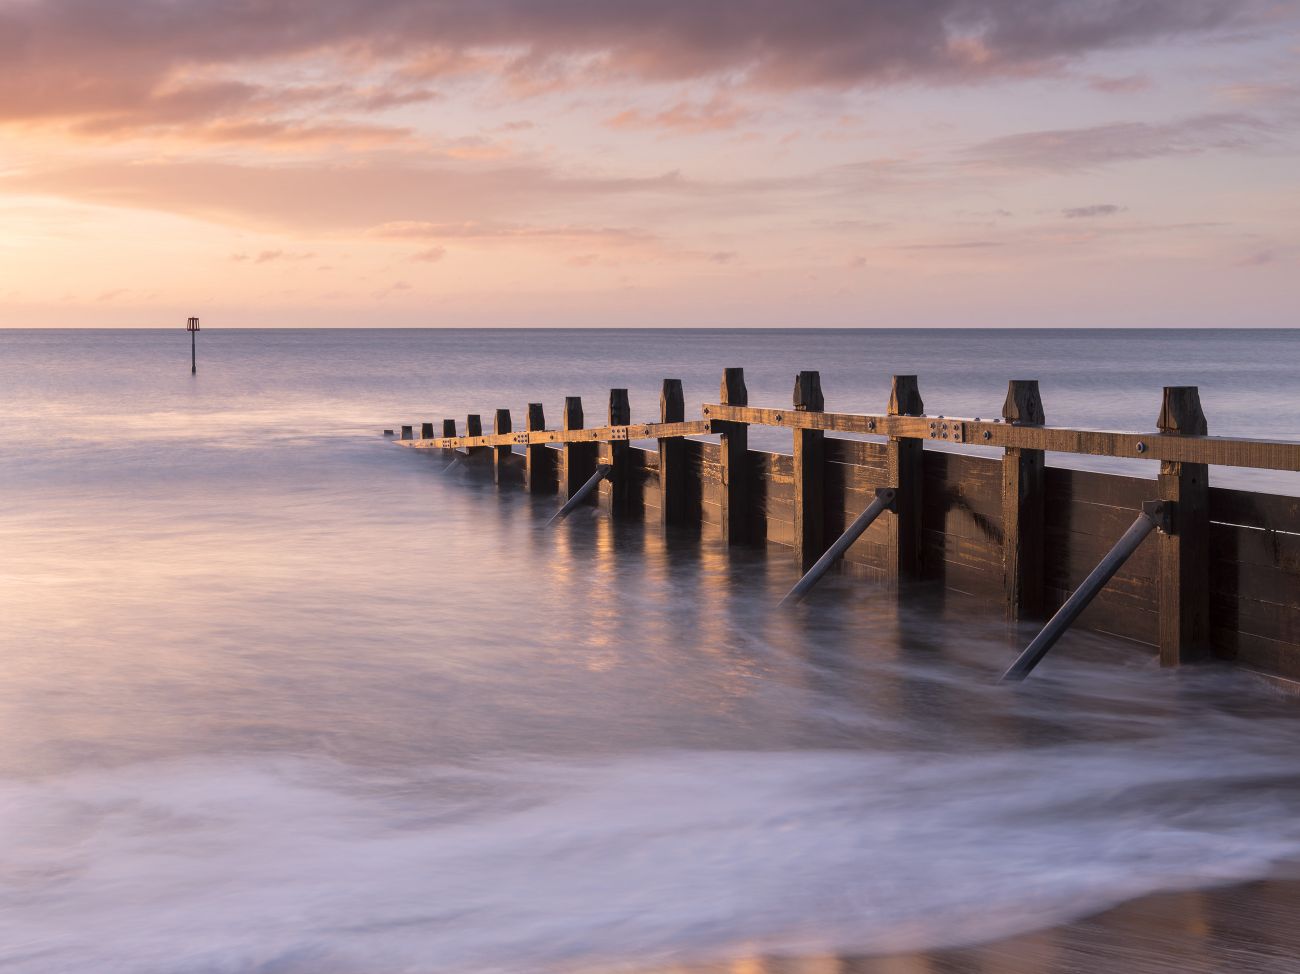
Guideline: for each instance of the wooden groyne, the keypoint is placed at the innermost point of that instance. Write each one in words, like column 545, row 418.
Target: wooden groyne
column 1221, row 576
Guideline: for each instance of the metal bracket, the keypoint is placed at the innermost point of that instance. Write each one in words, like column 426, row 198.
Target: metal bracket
column 952, row 430
column 888, row 496
column 1164, row 513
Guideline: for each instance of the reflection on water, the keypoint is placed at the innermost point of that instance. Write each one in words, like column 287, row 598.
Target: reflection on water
column 279, row 697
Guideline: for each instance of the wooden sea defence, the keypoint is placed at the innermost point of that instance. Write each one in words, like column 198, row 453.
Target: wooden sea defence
column 1219, row 578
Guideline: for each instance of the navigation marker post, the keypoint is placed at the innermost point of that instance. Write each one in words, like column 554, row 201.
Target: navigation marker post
column 193, row 328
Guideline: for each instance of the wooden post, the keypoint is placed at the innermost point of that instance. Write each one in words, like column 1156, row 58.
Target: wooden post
column 501, row 454
column 616, row 489
column 474, row 427
column 735, row 462
column 672, row 455
column 1023, row 507
column 809, row 474
column 449, row 429
column 1184, row 553
column 406, row 433
column 904, row 460
column 539, row 473
column 577, row 460
column 426, row 431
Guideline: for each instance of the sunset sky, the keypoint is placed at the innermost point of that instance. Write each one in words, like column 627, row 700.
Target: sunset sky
column 679, row 162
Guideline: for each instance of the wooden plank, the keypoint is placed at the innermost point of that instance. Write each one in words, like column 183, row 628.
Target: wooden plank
column 858, row 452
column 1271, row 511
column 1184, row 552
column 735, row 447
column 904, row 464
column 809, row 474
column 1257, row 652
column 1232, row 543
column 1112, row 612
column 1024, row 507
column 1089, row 487
column 1269, row 619
column 1218, row 450
column 672, row 455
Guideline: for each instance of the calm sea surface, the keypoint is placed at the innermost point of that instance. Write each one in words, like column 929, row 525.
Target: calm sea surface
column 276, row 696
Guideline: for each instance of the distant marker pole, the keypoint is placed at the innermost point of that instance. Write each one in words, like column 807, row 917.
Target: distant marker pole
column 193, row 329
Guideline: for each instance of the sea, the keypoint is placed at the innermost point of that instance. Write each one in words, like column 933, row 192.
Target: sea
column 277, row 696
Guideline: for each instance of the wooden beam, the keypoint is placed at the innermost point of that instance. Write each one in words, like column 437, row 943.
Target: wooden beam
column 672, row 455
column 634, row 431
column 578, row 462
column 406, row 433
column 616, row 489
column 1023, row 506
column 735, row 462
column 539, row 461
column 1220, row 450
column 903, row 461
column 809, row 474
column 501, row 424
column 449, row 431
column 1184, row 552
column 426, row 431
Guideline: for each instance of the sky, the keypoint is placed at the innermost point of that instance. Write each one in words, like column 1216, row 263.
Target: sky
column 943, row 163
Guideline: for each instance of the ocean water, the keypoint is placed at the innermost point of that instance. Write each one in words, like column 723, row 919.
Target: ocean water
column 277, row 696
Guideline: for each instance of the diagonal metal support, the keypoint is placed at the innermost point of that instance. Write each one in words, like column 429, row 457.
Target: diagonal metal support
column 580, row 495
column 1155, row 515
column 884, row 502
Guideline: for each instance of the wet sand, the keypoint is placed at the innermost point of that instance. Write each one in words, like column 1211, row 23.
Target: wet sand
column 1248, row 928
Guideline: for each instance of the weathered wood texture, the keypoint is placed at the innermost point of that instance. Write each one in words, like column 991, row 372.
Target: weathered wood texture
column 969, row 511
column 1184, row 552
column 1086, row 513
column 615, row 491
column 1254, row 579
column 672, row 456
column 539, row 462
column 1221, row 450
column 903, row 465
column 578, row 460
column 502, row 468
column 734, row 515
column 809, row 462
column 1022, row 507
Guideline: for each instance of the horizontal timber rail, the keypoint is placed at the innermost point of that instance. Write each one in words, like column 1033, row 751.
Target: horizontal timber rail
column 635, row 431
column 1222, row 451
column 1004, row 526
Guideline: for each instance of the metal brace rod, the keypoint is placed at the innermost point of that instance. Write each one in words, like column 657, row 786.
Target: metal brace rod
column 884, row 502
column 602, row 471
column 1155, row 514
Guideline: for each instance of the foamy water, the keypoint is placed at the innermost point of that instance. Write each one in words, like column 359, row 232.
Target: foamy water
column 279, row 697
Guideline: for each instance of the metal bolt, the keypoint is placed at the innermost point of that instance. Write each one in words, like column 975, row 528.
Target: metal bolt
column 778, row 417
column 1141, row 447
column 932, row 425
column 988, row 434
column 871, row 424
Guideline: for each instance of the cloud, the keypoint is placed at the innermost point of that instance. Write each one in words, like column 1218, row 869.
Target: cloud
column 128, row 62
column 716, row 115
column 395, row 201
column 269, row 256
column 1257, row 259
column 1065, row 150
column 1121, row 84
column 430, row 256
column 1096, row 209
